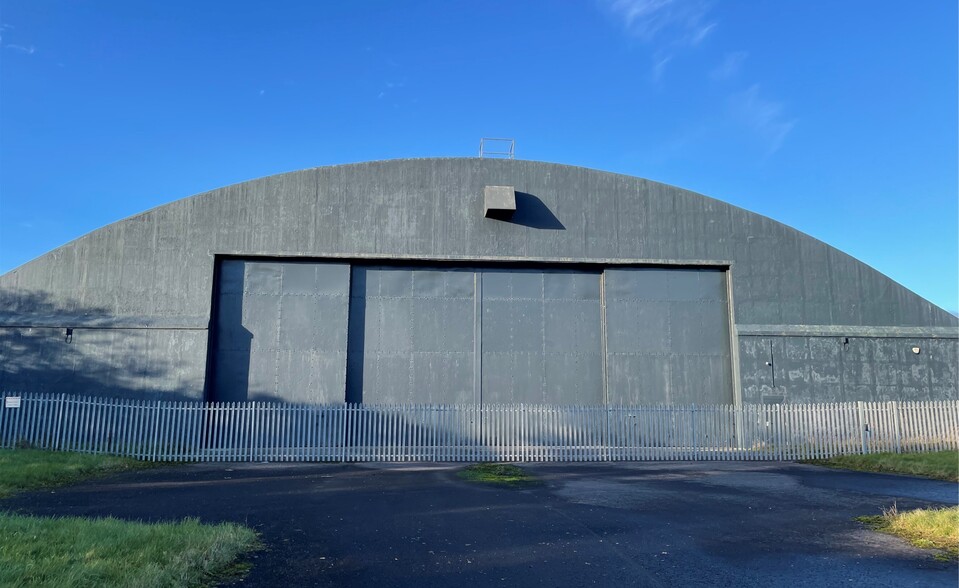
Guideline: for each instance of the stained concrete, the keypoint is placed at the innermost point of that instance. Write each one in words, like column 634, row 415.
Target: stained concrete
column 843, row 369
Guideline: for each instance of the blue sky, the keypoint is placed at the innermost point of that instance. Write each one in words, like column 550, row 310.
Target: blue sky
column 837, row 118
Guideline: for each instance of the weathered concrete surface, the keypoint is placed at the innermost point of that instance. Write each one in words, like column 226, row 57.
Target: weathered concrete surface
column 610, row 525
column 156, row 269
column 151, row 364
column 841, row 369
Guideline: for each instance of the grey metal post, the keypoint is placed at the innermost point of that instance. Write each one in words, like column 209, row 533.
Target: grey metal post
column 692, row 423
column 59, row 425
column 156, row 430
column 895, row 419
column 862, row 427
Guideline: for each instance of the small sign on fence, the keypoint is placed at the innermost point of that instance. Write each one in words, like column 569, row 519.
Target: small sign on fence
column 11, row 402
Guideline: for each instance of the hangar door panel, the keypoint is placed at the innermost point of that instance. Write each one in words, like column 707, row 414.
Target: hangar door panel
column 281, row 331
column 415, row 334
column 411, row 336
column 667, row 336
column 541, row 337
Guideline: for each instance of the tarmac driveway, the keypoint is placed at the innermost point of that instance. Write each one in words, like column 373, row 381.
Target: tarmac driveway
column 635, row 524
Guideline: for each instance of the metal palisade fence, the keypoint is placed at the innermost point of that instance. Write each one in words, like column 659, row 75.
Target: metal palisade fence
column 260, row 431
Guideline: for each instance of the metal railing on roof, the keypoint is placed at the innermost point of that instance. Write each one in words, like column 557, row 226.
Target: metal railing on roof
column 492, row 147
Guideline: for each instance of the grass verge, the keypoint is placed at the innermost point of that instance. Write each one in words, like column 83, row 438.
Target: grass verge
column 934, row 528
column 496, row 473
column 941, row 465
column 74, row 552
column 32, row 469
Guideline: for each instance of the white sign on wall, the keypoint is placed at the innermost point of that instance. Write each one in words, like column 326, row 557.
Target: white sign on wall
column 11, row 402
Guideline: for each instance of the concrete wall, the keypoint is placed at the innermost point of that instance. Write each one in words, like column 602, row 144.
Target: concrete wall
column 132, row 363
column 842, row 369
column 150, row 277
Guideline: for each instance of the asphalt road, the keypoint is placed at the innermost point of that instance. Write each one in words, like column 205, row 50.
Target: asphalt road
column 637, row 524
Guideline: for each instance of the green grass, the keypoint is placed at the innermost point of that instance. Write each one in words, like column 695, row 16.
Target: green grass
column 929, row 528
column 74, row 552
column 941, row 465
column 32, row 469
column 935, row 528
column 68, row 552
column 496, row 473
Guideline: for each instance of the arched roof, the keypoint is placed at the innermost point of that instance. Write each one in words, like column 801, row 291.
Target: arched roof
column 156, row 269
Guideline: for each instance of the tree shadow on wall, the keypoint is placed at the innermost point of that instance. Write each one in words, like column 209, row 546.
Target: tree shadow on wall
column 51, row 345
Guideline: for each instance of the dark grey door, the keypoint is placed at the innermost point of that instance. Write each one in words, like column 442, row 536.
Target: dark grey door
column 667, row 336
column 541, row 337
column 280, row 331
column 460, row 335
column 411, row 335
column 325, row 332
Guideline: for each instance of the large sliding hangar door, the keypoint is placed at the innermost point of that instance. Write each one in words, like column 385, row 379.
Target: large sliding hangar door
column 320, row 332
column 474, row 335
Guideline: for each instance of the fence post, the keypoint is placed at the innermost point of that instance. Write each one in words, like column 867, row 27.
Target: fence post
column 58, row 426
column 738, row 426
column 156, row 430
column 692, row 422
column 895, row 421
column 608, row 436
column 862, row 427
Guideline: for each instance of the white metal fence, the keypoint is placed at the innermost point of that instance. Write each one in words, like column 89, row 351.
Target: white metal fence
column 258, row 431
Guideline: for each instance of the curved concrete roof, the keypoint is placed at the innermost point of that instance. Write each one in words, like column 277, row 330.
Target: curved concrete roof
column 156, row 269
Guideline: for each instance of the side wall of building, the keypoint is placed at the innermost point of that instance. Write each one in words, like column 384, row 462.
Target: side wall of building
column 142, row 363
column 842, row 369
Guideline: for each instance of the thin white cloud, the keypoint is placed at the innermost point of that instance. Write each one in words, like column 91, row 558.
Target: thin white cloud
column 700, row 33
column 389, row 86
column 671, row 26
column 683, row 22
column 21, row 49
column 730, row 65
column 660, row 61
column 764, row 117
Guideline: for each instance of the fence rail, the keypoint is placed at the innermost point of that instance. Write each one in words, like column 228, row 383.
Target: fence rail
column 259, row 431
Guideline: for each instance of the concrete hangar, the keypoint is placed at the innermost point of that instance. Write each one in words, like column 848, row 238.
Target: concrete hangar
column 466, row 281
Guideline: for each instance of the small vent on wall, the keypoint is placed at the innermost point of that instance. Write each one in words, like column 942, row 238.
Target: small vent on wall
column 499, row 202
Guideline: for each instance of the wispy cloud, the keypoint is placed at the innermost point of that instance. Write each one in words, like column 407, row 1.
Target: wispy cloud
column 763, row 116
column 24, row 49
column 389, row 86
column 669, row 25
column 683, row 22
column 30, row 50
column 730, row 65
column 660, row 61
